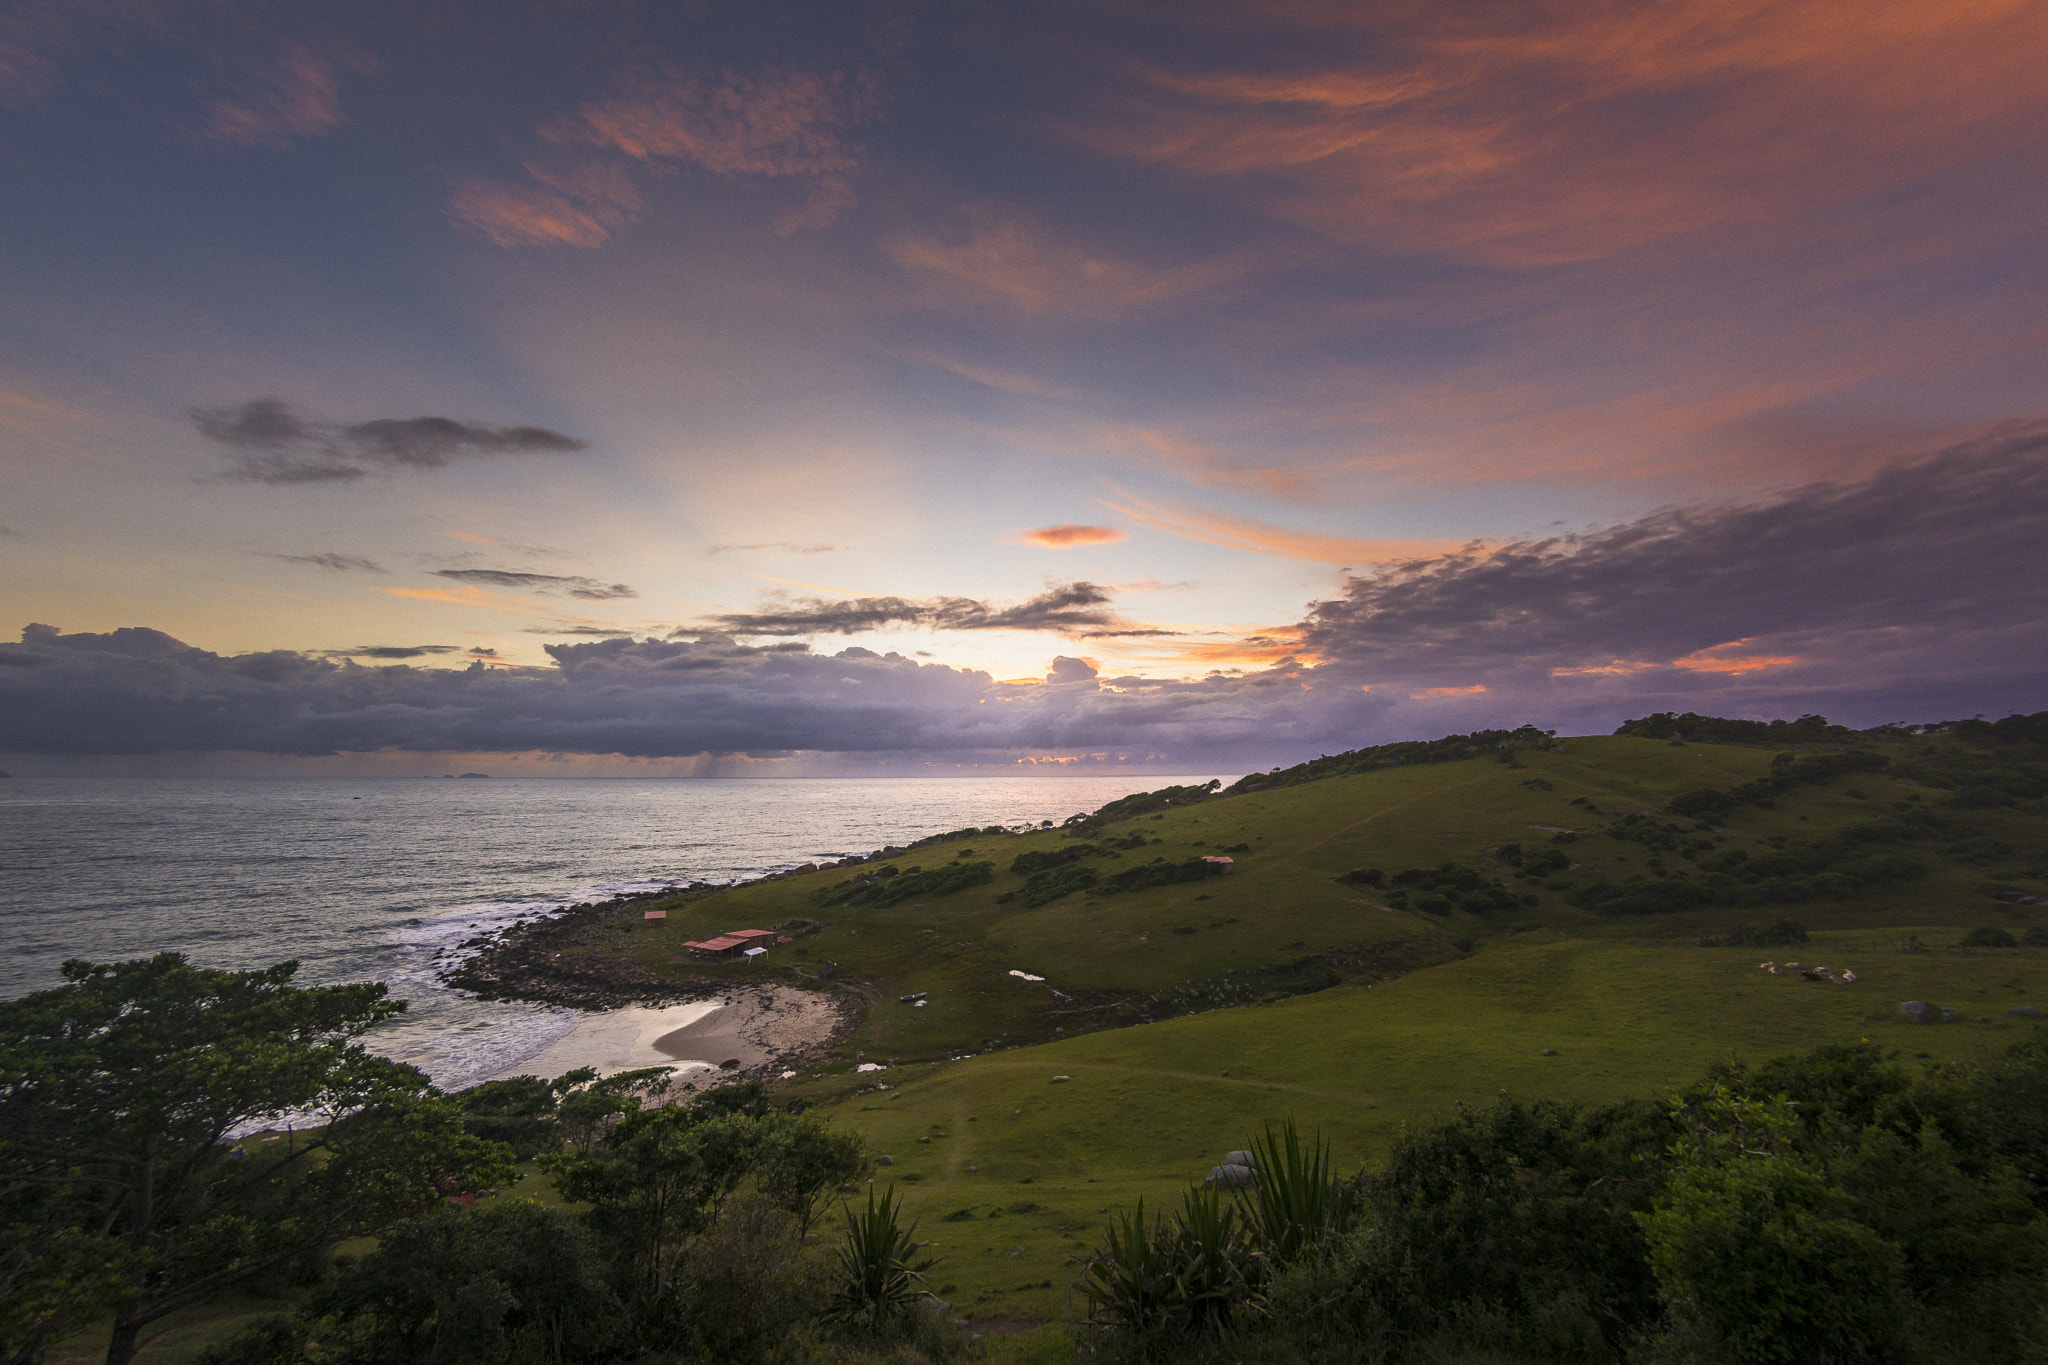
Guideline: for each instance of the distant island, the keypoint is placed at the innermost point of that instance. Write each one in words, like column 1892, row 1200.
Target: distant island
column 461, row 775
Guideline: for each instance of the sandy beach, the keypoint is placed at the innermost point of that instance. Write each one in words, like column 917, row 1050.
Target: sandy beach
column 751, row 1025
column 617, row 1040
column 756, row 1025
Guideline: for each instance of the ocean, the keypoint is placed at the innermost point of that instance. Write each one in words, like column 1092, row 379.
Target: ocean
column 384, row 879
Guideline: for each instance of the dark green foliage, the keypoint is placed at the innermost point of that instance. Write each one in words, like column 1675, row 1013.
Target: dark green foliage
column 1989, row 937
column 117, row 1093
column 661, row 1188
column 506, row 1281
column 1825, row 1207
column 1988, row 764
column 1142, row 803
column 1159, row 872
column 1709, row 802
column 1050, row 886
column 1778, row 933
column 1042, row 860
column 1453, row 886
column 1846, row 863
column 890, row 887
column 1907, row 1205
column 881, row 1275
column 278, row 1340
column 1295, row 1201
column 1720, row 730
column 1449, row 749
column 1366, row 876
column 1050, row 873
column 1175, row 1280
column 2036, row 937
column 1519, row 1214
column 971, row 832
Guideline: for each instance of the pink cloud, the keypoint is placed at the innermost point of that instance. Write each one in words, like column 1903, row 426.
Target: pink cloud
column 1060, row 537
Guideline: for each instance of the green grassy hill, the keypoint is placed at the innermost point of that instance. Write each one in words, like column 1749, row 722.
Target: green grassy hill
column 1292, row 987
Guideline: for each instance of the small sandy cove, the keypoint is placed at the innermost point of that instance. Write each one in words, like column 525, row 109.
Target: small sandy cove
column 752, row 1025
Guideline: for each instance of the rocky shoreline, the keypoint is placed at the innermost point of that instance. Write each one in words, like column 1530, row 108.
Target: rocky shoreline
column 565, row 959
column 549, row 960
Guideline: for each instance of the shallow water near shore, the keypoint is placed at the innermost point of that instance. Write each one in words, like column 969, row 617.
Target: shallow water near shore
column 389, row 879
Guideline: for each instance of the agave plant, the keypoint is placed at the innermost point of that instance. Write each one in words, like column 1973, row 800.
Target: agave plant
column 880, row 1275
column 1296, row 1199
column 1195, row 1273
column 1130, row 1280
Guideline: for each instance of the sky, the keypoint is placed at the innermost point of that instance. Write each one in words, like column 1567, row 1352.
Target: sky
column 804, row 388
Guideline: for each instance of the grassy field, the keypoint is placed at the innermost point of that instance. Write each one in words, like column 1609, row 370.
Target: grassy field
column 1013, row 1171
column 1172, row 1022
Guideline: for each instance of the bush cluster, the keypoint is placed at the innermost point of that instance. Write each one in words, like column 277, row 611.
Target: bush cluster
column 890, row 886
column 1831, row 1207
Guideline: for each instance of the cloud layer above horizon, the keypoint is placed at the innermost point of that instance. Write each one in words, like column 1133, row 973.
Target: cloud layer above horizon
column 1866, row 600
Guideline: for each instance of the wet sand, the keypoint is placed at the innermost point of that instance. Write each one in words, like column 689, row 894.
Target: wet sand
column 618, row 1040
column 757, row 1025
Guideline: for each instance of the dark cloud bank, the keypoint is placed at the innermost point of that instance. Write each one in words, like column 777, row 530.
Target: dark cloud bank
column 270, row 443
column 1918, row 594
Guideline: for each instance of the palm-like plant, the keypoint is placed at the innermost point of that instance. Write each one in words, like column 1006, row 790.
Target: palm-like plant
column 880, row 1276
column 1195, row 1273
column 1296, row 1199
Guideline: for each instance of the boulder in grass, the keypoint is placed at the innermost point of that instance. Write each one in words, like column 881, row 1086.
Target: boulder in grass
column 1919, row 1012
column 2025, row 1011
column 1240, row 1159
column 1231, row 1176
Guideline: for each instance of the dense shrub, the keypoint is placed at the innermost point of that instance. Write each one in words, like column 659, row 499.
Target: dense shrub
column 1159, row 872
column 1825, row 1207
column 892, row 887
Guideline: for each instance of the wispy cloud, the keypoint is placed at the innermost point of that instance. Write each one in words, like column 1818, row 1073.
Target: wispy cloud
column 587, row 589
column 583, row 182
column 298, row 97
column 1244, row 533
column 782, row 545
column 1203, row 465
column 1069, row 534
column 1069, row 608
column 270, row 443
column 1002, row 258
column 1563, row 133
column 339, row 562
column 392, row 652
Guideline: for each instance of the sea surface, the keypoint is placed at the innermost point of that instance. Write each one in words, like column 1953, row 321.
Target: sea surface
column 384, row 879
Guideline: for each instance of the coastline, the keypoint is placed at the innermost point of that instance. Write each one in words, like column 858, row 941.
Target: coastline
column 628, row 1017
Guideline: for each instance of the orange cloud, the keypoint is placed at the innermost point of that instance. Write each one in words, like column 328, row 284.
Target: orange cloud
column 1032, row 271
column 531, row 215
column 1205, row 465
column 1059, row 537
column 301, row 98
column 1708, row 660
column 1429, row 692
column 1557, row 132
column 783, row 123
column 1711, row 660
column 1243, row 533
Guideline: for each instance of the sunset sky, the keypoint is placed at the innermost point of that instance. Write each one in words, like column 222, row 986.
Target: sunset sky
column 782, row 388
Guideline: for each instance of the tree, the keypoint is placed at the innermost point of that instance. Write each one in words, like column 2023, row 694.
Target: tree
column 121, row 1095
column 802, row 1160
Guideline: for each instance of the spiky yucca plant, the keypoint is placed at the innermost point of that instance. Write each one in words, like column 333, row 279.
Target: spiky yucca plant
column 880, row 1275
column 1296, row 1199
